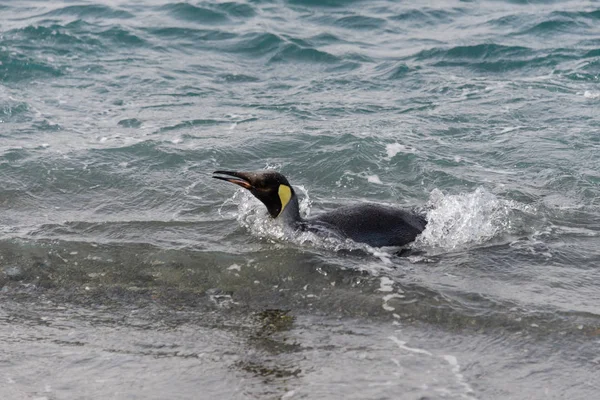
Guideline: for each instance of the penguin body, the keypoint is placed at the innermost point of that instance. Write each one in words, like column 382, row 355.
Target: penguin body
column 373, row 224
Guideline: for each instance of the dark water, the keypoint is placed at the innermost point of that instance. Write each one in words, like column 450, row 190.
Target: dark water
column 128, row 273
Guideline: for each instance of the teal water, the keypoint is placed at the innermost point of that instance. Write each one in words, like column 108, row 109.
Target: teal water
column 127, row 272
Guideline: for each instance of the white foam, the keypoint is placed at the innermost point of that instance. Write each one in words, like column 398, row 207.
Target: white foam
column 577, row 231
column 381, row 254
column 305, row 202
column 386, row 284
column 402, row 345
column 389, row 297
column 394, row 148
column 511, row 129
column 450, row 359
column 374, row 179
column 453, row 361
column 591, row 95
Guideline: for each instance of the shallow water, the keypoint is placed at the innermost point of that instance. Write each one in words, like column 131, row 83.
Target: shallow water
column 127, row 272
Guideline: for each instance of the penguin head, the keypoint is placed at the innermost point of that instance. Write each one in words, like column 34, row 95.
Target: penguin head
column 270, row 187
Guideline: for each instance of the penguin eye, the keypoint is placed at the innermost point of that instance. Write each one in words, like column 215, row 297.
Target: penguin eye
column 262, row 185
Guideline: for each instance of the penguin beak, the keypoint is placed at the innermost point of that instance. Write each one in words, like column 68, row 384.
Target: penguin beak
column 239, row 178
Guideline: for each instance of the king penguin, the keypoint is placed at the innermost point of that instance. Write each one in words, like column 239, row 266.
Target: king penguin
column 373, row 224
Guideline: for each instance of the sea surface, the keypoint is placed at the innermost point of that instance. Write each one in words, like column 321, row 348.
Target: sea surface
column 126, row 272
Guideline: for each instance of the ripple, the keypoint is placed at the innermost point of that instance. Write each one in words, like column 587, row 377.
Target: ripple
column 578, row 14
column 592, row 53
column 514, row 21
column 578, row 76
column 325, row 38
column 423, row 17
column 360, row 22
column 193, row 123
column 150, row 154
column 237, row 78
column 482, row 51
column 257, row 44
column 292, row 52
column 494, row 57
column 14, row 155
column 58, row 34
column 13, row 111
column 45, row 125
column 395, row 71
column 122, row 37
column 130, row 123
column 191, row 34
column 234, row 9
column 95, row 11
column 551, row 27
column 188, row 12
column 57, row 39
column 324, row 3
column 19, row 67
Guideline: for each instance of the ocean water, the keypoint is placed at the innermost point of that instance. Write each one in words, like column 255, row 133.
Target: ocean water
column 126, row 272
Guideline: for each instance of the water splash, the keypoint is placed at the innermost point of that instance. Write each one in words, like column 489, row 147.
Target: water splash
column 456, row 221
